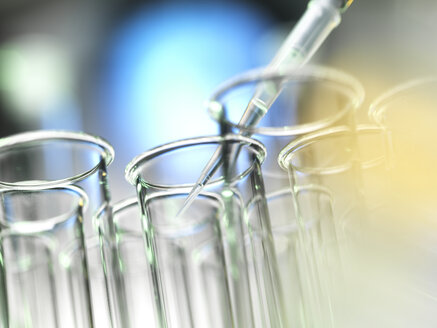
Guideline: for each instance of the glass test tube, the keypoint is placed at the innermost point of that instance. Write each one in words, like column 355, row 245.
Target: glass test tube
column 163, row 178
column 326, row 159
column 307, row 100
column 43, row 159
column 298, row 256
column 132, row 260
column 44, row 287
column 406, row 114
column 310, row 99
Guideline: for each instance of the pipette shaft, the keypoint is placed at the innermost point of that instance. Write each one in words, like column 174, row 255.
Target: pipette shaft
column 320, row 18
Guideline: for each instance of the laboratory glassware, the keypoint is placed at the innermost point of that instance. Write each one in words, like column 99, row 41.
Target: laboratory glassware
column 299, row 262
column 318, row 20
column 331, row 158
column 43, row 159
column 47, row 158
column 370, row 246
column 43, row 286
column 163, row 177
column 318, row 245
column 406, row 114
column 131, row 257
column 311, row 99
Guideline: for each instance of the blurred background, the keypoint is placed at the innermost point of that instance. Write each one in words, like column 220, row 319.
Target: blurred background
column 137, row 73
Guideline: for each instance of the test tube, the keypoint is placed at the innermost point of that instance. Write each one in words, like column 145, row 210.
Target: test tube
column 311, row 98
column 44, row 287
column 318, row 20
column 298, row 255
column 352, row 233
column 331, row 158
column 132, row 260
column 190, row 258
column 406, row 114
column 44, row 159
column 163, row 178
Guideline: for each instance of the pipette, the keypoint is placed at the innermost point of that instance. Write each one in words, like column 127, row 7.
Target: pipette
column 317, row 22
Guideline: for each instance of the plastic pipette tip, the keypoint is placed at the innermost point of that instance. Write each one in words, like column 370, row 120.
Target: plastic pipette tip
column 190, row 199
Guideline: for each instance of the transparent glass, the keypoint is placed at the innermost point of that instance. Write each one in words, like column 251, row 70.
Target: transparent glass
column 364, row 253
column 163, row 177
column 335, row 158
column 308, row 99
column 406, row 183
column 45, row 159
column 407, row 114
column 42, row 285
column 304, row 251
column 131, row 257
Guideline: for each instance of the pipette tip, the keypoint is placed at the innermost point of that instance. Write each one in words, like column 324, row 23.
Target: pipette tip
column 190, row 199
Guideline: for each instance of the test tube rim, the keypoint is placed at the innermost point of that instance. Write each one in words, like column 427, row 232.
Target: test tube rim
column 287, row 153
column 131, row 174
column 307, row 73
column 185, row 229
column 26, row 227
column 34, row 137
column 115, row 208
column 161, row 230
column 378, row 107
column 288, row 227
